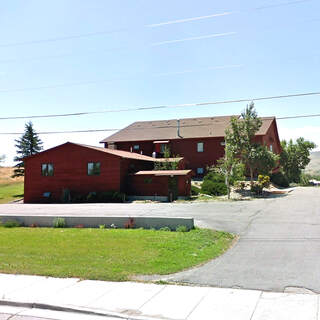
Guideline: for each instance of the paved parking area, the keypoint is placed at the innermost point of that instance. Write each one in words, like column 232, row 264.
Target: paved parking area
column 279, row 241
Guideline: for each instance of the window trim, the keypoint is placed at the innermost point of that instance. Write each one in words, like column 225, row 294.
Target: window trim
column 45, row 171
column 202, row 147
column 93, row 171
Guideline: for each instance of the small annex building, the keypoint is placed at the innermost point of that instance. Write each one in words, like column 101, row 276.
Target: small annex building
column 200, row 141
column 83, row 169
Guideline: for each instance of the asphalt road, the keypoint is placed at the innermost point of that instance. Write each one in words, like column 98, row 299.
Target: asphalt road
column 279, row 241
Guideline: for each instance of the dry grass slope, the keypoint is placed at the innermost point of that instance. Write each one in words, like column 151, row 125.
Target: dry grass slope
column 10, row 188
column 5, row 176
column 314, row 165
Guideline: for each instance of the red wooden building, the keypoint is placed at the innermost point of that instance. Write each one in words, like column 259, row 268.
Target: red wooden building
column 82, row 169
column 200, row 141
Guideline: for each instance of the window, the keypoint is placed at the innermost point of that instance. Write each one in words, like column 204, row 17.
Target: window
column 136, row 147
column 200, row 171
column 47, row 169
column 200, row 147
column 163, row 147
column 271, row 147
column 93, row 168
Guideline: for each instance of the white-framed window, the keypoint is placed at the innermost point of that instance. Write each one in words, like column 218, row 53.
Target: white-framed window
column 136, row 147
column 271, row 148
column 93, row 168
column 47, row 169
column 200, row 146
column 200, row 170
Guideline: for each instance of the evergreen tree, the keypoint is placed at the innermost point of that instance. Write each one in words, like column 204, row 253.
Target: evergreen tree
column 28, row 145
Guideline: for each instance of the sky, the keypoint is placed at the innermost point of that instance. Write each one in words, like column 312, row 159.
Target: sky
column 67, row 56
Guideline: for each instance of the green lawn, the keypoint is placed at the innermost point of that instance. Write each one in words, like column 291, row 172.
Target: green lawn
column 106, row 254
column 11, row 191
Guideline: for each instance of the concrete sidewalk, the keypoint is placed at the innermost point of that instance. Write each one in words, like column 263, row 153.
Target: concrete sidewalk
column 130, row 300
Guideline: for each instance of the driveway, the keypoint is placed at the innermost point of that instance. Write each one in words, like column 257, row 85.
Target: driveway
column 279, row 242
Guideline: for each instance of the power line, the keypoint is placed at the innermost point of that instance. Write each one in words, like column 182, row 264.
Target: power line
column 198, row 104
column 159, row 127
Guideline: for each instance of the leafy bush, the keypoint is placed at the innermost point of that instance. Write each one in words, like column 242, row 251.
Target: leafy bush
column 165, row 229
column 59, row 223
column 182, row 229
column 11, row 224
column 304, row 180
column 214, row 188
column 263, row 182
column 213, row 176
column 102, row 226
column 256, row 188
column 280, row 179
column 195, row 190
column 240, row 185
column 106, row 196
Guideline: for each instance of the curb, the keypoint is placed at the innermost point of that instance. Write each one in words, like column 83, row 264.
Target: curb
column 80, row 310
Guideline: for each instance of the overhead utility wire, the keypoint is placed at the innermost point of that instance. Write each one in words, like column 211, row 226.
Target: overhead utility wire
column 159, row 127
column 198, row 104
column 154, row 25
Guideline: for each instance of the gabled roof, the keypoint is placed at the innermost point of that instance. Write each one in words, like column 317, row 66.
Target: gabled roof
column 118, row 153
column 208, row 127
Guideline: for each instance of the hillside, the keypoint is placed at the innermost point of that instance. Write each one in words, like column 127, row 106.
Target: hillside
column 314, row 165
column 10, row 189
column 5, row 176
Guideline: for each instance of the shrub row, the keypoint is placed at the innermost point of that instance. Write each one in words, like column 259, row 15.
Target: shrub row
column 61, row 223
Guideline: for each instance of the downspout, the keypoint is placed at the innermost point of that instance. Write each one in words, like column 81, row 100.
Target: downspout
column 178, row 128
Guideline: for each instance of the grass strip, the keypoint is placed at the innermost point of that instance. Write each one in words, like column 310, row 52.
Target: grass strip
column 106, row 254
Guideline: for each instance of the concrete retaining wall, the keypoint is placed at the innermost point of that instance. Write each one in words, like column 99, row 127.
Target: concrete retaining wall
column 152, row 198
column 94, row 222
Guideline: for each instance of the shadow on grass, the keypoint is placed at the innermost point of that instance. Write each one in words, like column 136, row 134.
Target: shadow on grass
column 17, row 195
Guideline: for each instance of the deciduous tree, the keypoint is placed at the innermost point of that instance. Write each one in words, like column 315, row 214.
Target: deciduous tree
column 294, row 157
column 241, row 138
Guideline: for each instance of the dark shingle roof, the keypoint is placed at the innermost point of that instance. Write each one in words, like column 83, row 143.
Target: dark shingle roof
column 189, row 128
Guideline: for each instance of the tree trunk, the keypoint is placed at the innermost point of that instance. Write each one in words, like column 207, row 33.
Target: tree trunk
column 251, row 176
column 228, row 185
